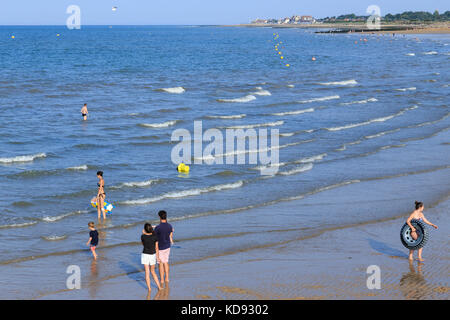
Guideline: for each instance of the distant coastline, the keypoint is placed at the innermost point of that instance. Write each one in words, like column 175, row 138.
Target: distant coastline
column 435, row 28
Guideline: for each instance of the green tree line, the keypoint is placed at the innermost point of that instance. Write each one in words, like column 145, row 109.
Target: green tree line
column 412, row 16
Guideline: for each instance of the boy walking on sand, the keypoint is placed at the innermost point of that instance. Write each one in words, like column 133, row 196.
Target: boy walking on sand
column 164, row 233
column 93, row 239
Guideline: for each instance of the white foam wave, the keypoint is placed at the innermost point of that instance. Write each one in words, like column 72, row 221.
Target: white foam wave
column 18, row 225
column 290, row 86
column 62, row 216
column 320, row 99
column 406, row 89
column 411, row 54
column 177, row 90
column 430, row 52
column 54, row 238
column 185, row 193
column 136, row 184
column 272, row 165
column 247, row 98
column 245, row 151
column 292, row 112
column 258, row 125
column 351, row 82
column 159, row 125
column 287, row 134
column 382, row 119
column 381, row 134
column 26, row 158
column 296, row 170
column 262, row 92
column 311, row 159
column 360, row 101
column 83, row 167
column 236, row 116
column 303, row 160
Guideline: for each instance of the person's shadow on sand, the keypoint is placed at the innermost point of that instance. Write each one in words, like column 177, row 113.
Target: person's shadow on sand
column 386, row 249
column 133, row 273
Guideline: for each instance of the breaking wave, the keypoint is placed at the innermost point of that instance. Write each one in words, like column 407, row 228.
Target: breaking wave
column 26, row 158
column 292, row 112
column 320, row 99
column 351, row 82
column 382, row 119
column 159, row 125
column 360, row 101
column 177, row 90
column 185, row 193
column 247, row 98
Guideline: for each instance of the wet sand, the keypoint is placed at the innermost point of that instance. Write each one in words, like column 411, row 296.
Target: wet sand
column 330, row 265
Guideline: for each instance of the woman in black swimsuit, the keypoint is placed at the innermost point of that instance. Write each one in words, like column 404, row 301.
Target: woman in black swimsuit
column 101, row 195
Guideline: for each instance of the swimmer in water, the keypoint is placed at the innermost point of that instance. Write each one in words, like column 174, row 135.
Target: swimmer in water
column 84, row 112
column 101, row 195
column 417, row 214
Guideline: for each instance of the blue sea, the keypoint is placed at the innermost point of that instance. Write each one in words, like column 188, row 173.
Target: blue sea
column 370, row 111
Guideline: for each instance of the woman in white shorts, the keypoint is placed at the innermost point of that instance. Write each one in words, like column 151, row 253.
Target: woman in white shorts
column 149, row 254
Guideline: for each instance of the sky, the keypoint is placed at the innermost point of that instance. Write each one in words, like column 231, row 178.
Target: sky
column 189, row 12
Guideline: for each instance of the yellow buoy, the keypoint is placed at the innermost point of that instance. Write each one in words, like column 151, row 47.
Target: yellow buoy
column 279, row 52
column 281, row 57
column 183, row 168
column 57, row 34
column 288, row 65
column 12, row 37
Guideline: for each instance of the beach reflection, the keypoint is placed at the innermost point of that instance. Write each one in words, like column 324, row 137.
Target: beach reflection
column 413, row 284
column 163, row 294
column 93, row 279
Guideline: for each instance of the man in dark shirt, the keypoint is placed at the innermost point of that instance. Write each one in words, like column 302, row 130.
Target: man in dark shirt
column 164, row 232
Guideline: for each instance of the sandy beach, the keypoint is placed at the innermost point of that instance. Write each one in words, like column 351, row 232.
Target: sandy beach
column 330, row 264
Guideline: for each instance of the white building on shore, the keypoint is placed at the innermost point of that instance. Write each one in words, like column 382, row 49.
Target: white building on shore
column 296, row 19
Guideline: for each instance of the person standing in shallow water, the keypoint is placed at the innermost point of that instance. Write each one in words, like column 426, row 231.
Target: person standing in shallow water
column 417, row 214
column 93, row 239
column 164, row 233
column 101, row 195
column 149, row 254
column 84, row 112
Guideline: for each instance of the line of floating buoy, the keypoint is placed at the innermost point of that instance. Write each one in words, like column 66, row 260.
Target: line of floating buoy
column 13, row 37
column 276, row 36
